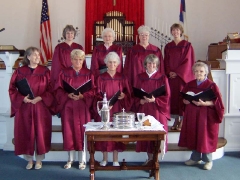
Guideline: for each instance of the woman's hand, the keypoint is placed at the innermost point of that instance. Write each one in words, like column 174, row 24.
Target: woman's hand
column 26, row 100
column 121, row 96
column 172, row 75
column 202, row 103
column 75, row 97
column 149, row 100
column 36, row 99
column 186, row 101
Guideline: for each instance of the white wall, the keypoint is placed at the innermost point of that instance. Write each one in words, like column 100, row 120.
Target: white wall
column 208, row 21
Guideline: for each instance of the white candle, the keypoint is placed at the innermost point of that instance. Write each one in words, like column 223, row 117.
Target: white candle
column 155, row 23
column 166, row 29
column 162, row 26
column 136, row 39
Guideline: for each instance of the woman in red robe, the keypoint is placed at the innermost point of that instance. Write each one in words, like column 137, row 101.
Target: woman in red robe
column 136, row 55
column 33, row 120
column 61, row 57
column 74, row 109
column 158, row 107
column 111, row 82
column 178, row 60
column 201, row 119
column 98, row 65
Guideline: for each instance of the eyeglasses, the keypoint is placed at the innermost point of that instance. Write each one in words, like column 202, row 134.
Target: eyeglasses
column 144, row 35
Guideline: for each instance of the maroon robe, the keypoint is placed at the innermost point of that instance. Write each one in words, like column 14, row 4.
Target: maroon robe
column 135, row 58
column 105, row 83
column 160, row 110
column 74, row 114
column 33, row 122
column 62, row 59
column 179, row 59
column 99, row 53
column 201, row 123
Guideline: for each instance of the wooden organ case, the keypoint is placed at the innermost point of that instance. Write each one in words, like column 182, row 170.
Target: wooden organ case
column 124, row 30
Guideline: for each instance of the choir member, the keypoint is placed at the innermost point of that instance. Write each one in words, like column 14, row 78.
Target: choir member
column 33, row 119
column 158, row 107
column 98, row 65
column 201, row 119
column 178, row 60
column 111, row 82
column 61, row 57
column 74, row 109
column 136, row 55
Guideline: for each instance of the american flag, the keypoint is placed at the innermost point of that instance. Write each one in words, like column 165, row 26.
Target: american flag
column 182, row 18
column 45, row 29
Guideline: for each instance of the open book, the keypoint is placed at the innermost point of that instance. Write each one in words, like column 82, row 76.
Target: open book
column 82, row 89
column 207, row 95
column 24, row 88
column 156, row 93
column 114, row 98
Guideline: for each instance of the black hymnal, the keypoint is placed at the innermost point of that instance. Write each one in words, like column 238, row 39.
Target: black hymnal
column 156, row 93
column 24, row 88
column 114, row 98
column 82, row 89
column 207, row 95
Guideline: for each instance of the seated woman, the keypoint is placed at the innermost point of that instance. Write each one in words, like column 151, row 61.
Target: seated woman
column 111, row 82
column 158, row 107
column 33, row 120
column 201, row 119
column 74, row 108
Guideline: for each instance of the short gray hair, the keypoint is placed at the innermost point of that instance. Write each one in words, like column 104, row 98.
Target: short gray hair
column 200, row 64
column 151, row 58
column 111, row 56
column 108, row 30
column 143, row 29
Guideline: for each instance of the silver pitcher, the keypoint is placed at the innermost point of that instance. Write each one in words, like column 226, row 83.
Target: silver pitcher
column 104, row 112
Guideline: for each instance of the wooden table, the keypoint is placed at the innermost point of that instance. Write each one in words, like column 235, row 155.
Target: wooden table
column 125, row 137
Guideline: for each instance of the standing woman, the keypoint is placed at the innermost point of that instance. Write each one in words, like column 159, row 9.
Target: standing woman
column 111, row 82
column 158, row 107
column 136, row 55
column 98, row 65
column 178, row 60
column 74, row 109
column 61, row 57
column 201, row 119
column 33, row 120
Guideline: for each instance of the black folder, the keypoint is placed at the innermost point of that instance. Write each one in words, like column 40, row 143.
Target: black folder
column 207, row 95
column 82, row 89
column 156, row 93
column 24, row 88
column 114, row 98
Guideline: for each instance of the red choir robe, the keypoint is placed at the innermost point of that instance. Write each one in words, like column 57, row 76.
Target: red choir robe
column 74, row 114
column 201, row 123
column 62, row 59
column 33, row 122
column 160, row 110
column 179, row 59
column 99, row 53
column 135, row 58
column 105, row 83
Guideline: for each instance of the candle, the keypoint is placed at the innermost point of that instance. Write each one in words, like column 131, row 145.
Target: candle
column 136, row 39
column 166, row 29
column 92, row 40
column 162, row 26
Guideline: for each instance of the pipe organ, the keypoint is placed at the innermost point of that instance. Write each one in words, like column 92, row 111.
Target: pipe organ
column 124, row 30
